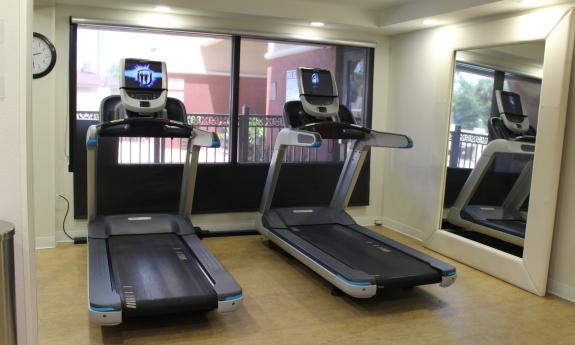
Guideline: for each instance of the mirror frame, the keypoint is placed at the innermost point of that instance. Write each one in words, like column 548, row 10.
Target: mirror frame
column 557, row 28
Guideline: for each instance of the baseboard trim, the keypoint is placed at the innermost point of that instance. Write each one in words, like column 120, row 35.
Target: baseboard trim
column 561, row 290
column 45, row 242
column 404, row 229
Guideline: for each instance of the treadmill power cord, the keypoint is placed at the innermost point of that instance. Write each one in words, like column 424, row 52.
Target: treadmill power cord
column 76, row 240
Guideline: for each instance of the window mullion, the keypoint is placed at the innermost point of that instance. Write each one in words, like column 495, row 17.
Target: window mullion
column 72, row 95
column 234, row 98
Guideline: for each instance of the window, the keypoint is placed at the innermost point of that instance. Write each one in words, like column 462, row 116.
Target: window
column 231, row 85
column 471, row 109
column 268, row 80
column 198, row 75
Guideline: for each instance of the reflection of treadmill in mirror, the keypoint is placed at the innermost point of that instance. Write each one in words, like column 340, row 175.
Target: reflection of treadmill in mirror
column 149, row 263
column 507, row 163
column 352, row 258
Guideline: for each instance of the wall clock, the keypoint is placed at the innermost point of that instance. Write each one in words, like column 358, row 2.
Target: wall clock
column 43, row 56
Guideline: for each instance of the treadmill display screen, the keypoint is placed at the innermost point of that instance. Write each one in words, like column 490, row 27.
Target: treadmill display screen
column 511, row 103
column 142, row 74
column 317, row 83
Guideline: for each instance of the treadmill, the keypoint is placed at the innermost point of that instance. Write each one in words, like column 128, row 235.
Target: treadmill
column 509, row 156
column 354, row 259
column 151, row 263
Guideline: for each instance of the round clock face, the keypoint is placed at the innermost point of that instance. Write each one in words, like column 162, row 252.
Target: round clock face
column 43, row 55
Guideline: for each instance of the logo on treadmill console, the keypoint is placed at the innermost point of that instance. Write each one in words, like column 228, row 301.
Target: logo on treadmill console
column 315, row 80
column 145, row 77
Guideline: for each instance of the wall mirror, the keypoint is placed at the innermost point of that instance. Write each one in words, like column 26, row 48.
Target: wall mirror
column 496, row 203
column 495, row 102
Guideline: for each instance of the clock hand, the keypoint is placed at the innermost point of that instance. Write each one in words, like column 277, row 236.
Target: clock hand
column 36, row 54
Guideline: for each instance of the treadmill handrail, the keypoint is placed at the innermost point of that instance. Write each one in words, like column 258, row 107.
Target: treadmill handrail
column 298, row 137
column 373, row 137
column 145, row 126
column 147, row 120
column 387, row 139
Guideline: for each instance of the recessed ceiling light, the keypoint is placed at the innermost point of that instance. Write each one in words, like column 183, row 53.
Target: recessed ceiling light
column 163, row 9
column 431, row 22
column 317, row 24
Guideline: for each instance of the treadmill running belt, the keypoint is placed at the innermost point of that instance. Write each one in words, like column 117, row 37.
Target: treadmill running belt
column 509, row 226
column 391, row 267
column 157, row 274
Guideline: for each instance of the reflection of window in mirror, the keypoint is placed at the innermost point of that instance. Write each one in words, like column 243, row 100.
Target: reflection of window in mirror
column 471, row 109
column 495, row 105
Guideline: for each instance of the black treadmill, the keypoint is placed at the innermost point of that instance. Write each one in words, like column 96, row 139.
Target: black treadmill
column 351, row 257
column 507, row 158
column 150, row 263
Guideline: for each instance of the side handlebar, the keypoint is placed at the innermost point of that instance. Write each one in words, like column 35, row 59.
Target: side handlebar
column 145, row 127
column 297, row 137
column 145, row 121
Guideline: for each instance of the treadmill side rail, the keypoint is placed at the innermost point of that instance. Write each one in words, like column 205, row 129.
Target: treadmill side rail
column 228, row 290
column 104, row 302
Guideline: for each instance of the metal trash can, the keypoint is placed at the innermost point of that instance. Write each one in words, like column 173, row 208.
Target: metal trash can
column 7, row 301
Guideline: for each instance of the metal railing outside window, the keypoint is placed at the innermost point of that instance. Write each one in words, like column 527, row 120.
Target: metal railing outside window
column 257, row 136
column 465, row 148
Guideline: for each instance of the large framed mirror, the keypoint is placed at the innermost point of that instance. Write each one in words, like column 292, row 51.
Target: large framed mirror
column 495, row 99
column 508, row 92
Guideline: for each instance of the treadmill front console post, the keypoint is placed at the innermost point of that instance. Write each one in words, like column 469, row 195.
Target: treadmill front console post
column 327, row 239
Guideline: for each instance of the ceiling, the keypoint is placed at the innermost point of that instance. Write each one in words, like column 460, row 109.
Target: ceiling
column 367, row 4
column 384, row 16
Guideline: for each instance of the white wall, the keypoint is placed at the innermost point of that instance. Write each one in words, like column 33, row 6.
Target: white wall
column 15, row 153
column 561, row 270
column 56, row 137
column 420, row 74
column 411, row 178
column 43, row 139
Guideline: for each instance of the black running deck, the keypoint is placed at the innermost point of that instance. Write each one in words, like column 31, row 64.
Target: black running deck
column 389, row 266
column 157, row 274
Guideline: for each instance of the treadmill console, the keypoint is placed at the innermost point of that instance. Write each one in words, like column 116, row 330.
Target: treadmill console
column 143, row 85
column 511, row 112
column 318, row 92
